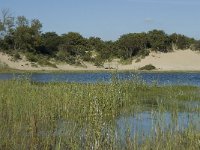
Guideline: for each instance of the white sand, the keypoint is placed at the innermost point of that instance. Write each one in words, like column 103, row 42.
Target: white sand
column 179, row 60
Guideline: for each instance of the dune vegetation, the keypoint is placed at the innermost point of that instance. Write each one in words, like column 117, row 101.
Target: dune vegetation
column 83, row 116
column 20, row 36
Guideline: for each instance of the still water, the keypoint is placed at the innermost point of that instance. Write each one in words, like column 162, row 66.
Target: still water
column 160, row 78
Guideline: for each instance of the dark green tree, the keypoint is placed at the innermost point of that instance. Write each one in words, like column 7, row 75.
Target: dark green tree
column 181, row 41
column 130, row 44
column 159, row 41
column 50, row 43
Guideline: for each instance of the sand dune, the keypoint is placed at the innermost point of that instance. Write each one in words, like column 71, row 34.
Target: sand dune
column 179, row 60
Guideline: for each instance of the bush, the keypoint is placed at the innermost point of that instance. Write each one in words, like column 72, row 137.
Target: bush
column 98, row 61
column 44, row 62
column 137, row 60
column 143, row 53
column 32, row 57
column 196, row 46
column 16, row 56
column 127, row 61
column 87, row 56
column 3, row 65
column 148, row 67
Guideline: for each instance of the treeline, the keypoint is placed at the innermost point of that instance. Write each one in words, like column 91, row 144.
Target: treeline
column 20, row 35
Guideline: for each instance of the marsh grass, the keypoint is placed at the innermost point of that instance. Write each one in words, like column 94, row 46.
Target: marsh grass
column 82, row 116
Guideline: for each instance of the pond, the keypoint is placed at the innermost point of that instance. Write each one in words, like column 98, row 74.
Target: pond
column 142, row 124
column 147, row 123
column 160, row 78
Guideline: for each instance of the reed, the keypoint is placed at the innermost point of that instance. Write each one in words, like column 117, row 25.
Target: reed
column 83, row 116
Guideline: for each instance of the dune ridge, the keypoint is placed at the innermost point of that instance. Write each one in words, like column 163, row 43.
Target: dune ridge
column 178, row 60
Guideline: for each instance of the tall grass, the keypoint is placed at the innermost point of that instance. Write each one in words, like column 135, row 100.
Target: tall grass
column 82, row 116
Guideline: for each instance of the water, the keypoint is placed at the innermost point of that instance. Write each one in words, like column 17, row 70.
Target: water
column 160, row 78
column 142, row 124
column 146, row 123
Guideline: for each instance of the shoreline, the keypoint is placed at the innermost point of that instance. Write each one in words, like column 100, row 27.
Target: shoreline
column 11, row 70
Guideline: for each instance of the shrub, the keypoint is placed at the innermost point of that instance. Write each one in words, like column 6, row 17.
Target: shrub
column 196, row 46
column 16, row 56
column 143, row 53
column 44, row 62
column 148, row 67
column 32, row 57
column 98, row 61
column 137, row 60
column 126, row 61
column 3, row 65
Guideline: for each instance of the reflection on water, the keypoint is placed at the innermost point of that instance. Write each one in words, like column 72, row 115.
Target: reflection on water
column 143, row 125
column 160, row 78
column 147, row 123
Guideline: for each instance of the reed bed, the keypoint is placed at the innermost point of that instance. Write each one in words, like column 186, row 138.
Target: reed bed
column 83, row 116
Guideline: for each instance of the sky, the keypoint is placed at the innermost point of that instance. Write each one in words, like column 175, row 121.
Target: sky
column 109, row 19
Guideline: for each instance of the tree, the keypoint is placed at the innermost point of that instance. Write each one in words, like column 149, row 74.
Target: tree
column 73, row 38
column 35, row 30
column 50, row 42
column 73, row 45
column 6, row 23
column 22, row 21
column 95, row 43
column 181, row 41
column 159, row 41
column 130, row 44
column 36, row 26
column 27, row 38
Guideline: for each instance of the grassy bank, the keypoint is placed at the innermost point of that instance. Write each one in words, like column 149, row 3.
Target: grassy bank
column 82, row 116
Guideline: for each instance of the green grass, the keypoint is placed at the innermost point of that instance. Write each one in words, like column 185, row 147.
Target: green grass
column 33, row 114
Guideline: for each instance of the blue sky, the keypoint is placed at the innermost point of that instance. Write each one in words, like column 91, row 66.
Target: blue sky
column 109, row 19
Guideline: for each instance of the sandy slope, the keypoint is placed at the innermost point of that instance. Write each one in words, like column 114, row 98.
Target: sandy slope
column 177, row 60
column 23, row 64
column 183, row 60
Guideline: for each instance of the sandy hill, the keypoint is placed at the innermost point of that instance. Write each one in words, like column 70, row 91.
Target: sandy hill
column 180, row 60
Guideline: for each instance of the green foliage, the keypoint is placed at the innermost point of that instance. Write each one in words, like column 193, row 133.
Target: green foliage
column 148, row 67
column 126, row 61
column 50, row 42
column 32, row 57
column 87, row 56
column 73, row 38
column 181, row 41
column 16, row 56
column 106, row 50
column 3, row 65
column 144, row 52
column 98, row 61
column 131, row 44
column 45, row 62
column 196, row 46
column 159, row 41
